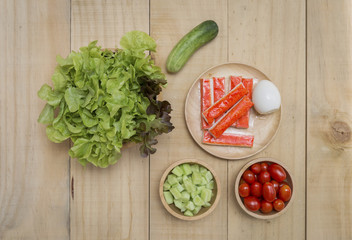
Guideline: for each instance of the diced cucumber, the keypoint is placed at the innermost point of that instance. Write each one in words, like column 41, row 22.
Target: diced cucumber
column 179, row 179
column 195, row 168
column 180, row 205
column 185, row 196
column 186, row 169
column 189, row 186
column 208, row 176
column 177, row 171
column 196, row 178
column 198, row 201
column 194, row 194
column 175, row 192
column 196, row 210
column 206, row 194
column 172, row 179
column 202, row 170
column 190, row 206
column 168, row 197
column 210, row 185
column 166, row 186
column 188, row 213
column 204, row 181
column 179, row 187
column 199, row 189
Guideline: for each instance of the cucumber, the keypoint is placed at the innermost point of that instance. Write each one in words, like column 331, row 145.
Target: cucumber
column 197, row 37
column 177, row 171
column 166, row 186
column 168, row 197
column 188, row 213
column 189, row 187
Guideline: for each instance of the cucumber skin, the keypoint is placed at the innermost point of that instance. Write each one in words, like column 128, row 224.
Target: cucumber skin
column 192, row 41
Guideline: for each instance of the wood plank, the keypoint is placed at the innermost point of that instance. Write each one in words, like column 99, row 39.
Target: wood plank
column 109, row 203
column 170, row 20
column 270, row 35
column 329, row 71
column 34, row 175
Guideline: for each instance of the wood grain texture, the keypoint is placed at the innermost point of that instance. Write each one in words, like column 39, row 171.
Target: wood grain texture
column 329, row 120
column 170, row 20
column 109, row 203
column 270, row 36
column 34, row 174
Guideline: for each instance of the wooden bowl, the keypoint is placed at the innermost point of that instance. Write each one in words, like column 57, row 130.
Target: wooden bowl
column 173, row 210
column 259, row 214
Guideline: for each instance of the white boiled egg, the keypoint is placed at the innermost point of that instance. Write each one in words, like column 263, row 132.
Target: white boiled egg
column 266, row 97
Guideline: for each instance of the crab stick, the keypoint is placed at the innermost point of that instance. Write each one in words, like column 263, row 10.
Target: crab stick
column 219, row 88
column 243, row 122
column 234, row 81
column 224, row 103
column 206, row 93
column 231, row 116
column 229, row 139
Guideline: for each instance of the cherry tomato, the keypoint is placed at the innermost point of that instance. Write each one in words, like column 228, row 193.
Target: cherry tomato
column 256, row 189
column 266, row 207
column 244, row 190
column 242, row 181
column 264, row 177
column 282, row 184
column 276, row 185
column 264, row 166
column 285, row 193
column 256, row 168
column 252, row 203
column 277, row 172
column 248, row 176
column 269, row 193
column 278, row 205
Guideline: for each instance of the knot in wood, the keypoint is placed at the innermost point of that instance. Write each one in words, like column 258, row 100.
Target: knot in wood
column 340, row 131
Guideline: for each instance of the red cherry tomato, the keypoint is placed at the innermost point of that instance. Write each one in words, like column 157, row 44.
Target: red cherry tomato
column 252, row 203
column 248, row 176
column 276, row 185
column 285, row 193
column 277, row 172
column 256, row 168
column 266, row 207
column 256, row 189
column 282, row 184
column 242, row 181
column 264, row 177
column 278, row 205
column 269, row 193
column 264, row 166
column 244, row 190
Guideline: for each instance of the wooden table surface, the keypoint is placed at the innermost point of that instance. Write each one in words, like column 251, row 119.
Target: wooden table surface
column 304, row 47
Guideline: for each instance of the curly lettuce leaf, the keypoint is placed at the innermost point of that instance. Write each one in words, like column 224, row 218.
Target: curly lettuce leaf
column 104, row 99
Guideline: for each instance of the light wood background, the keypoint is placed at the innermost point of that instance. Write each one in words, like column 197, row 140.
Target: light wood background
column 304, row 47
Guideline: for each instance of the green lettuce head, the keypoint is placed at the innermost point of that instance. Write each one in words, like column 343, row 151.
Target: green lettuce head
column 103, row 99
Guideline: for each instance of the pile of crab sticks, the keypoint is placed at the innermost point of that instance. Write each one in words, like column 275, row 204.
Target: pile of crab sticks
column 221, row 111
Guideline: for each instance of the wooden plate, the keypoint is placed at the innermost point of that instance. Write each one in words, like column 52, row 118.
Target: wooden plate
column 289, row 180
column 173, row 210
column 263, row 127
